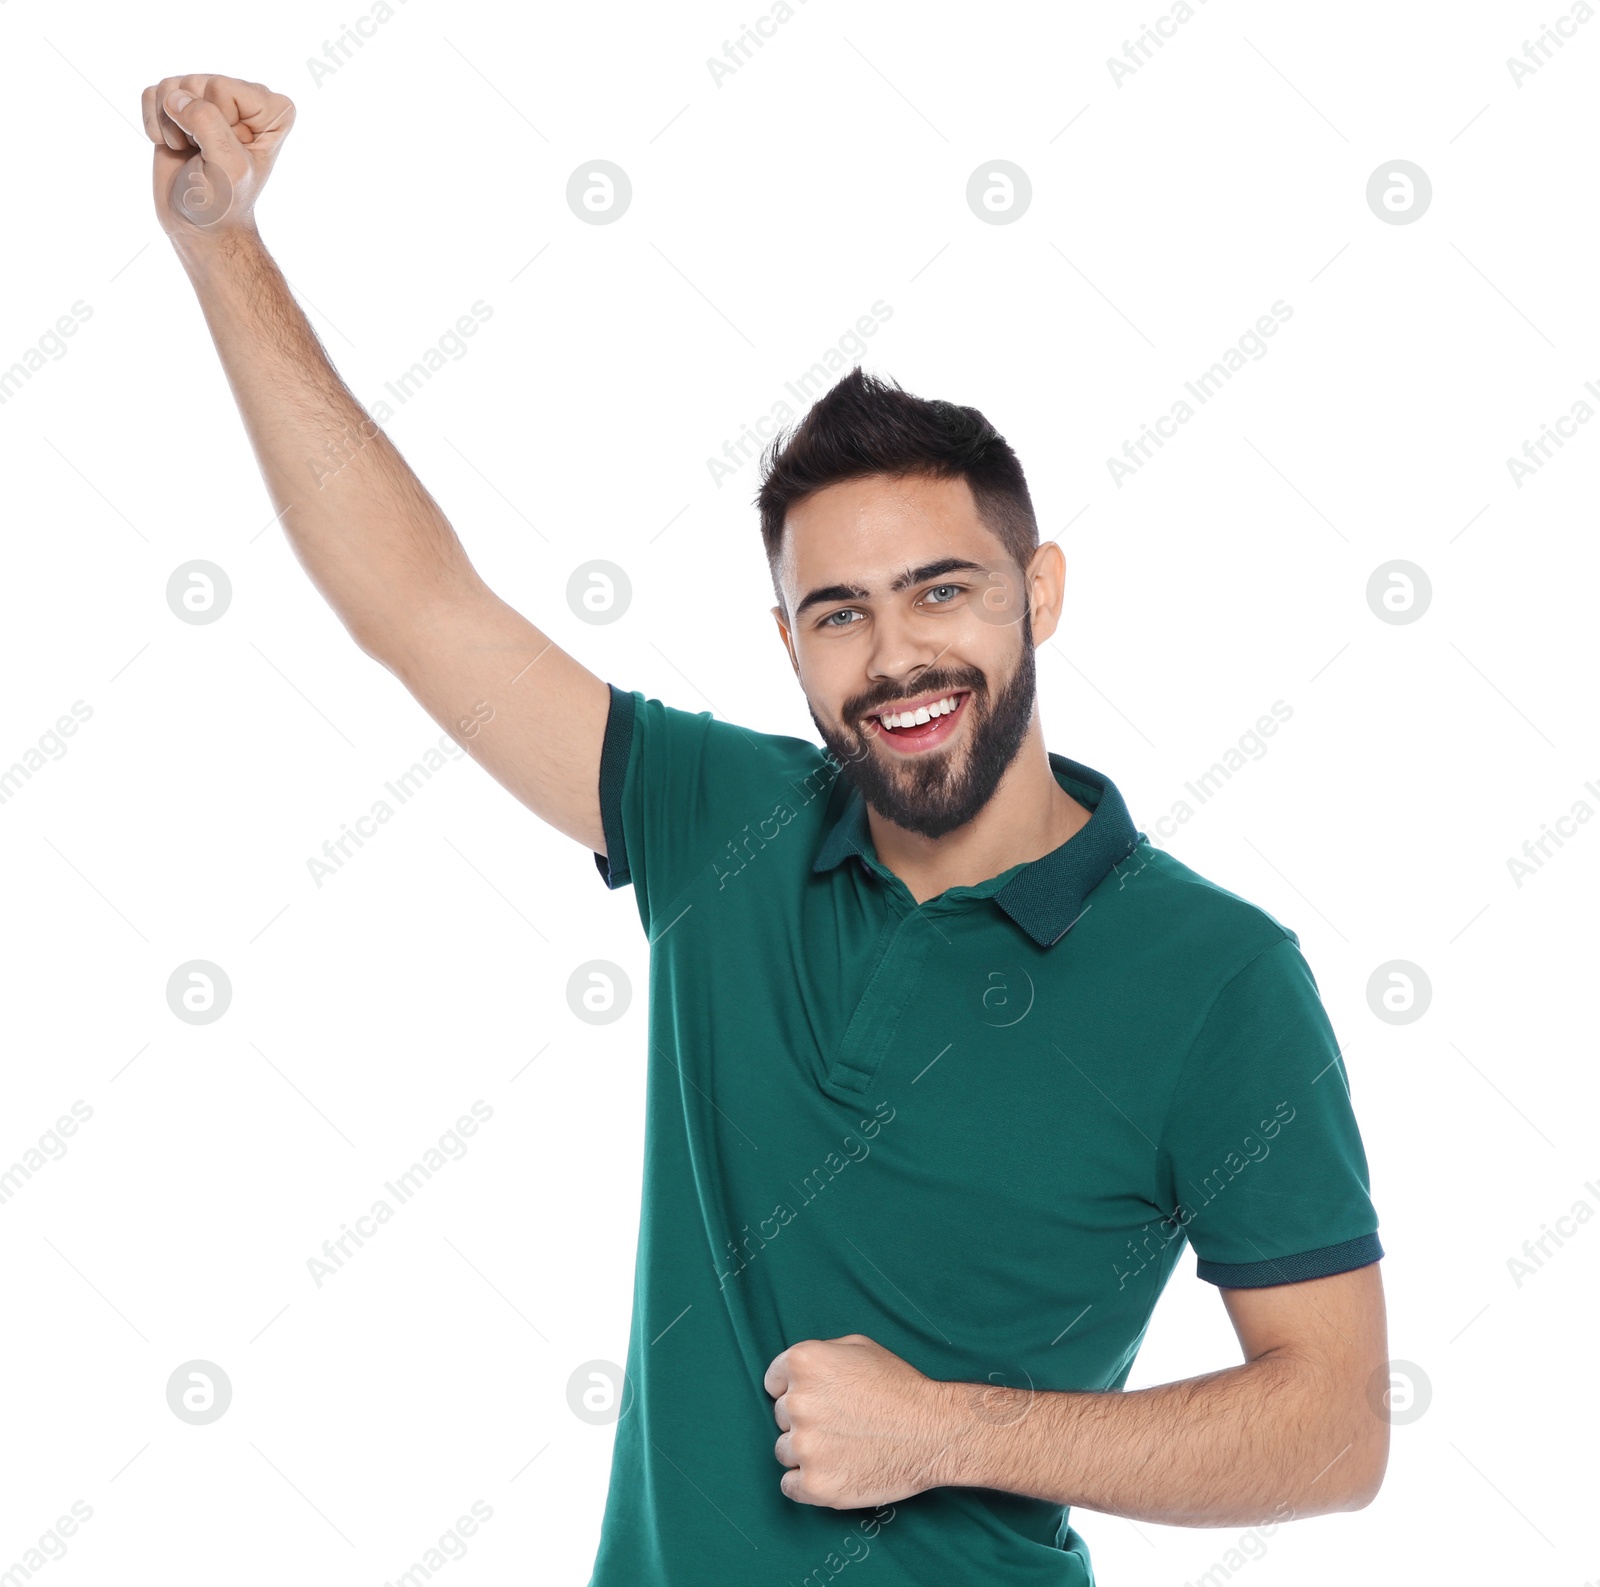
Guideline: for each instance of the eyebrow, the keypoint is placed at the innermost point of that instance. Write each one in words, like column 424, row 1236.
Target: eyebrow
column 854, row 592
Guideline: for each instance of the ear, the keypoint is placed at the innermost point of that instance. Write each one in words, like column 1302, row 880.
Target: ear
column 788, row 641
column 1046, row 582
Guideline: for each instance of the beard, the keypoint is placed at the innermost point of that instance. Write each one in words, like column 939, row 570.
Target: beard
column 933, row 794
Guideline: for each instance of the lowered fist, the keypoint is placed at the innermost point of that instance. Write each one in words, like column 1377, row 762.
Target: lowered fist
column 216, row 139
column 860, row 1426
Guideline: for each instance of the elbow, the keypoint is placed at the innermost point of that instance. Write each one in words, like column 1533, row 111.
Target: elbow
column 377, row 645
column 1352, row 1458
column 1351, row 1442
column 1365, row 1476
column 1368, row 1490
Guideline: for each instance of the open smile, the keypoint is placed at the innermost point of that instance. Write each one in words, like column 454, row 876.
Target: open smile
column 920, row 724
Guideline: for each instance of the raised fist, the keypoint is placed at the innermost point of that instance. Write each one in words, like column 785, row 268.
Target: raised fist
column 216, row 139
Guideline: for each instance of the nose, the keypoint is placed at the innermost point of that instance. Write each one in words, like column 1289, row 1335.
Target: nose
column 902, row 649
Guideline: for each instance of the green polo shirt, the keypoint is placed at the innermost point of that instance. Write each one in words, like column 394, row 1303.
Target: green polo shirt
column 978, row 1130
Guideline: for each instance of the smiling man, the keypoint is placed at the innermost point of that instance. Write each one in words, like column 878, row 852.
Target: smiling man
column 947, row 1062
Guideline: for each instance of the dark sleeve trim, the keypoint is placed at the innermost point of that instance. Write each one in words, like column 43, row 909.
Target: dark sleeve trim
column 613, row 864
column 1325, row 1263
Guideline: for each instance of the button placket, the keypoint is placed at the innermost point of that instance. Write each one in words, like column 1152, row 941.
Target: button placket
column 897, row 979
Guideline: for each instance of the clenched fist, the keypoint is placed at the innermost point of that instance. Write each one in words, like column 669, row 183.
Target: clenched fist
column 860, row 1425
column 216, row 139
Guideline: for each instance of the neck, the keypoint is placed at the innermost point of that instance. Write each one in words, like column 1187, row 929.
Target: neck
column 1029, row 814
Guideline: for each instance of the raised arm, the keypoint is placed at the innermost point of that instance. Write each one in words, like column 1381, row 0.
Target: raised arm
column 365, row 529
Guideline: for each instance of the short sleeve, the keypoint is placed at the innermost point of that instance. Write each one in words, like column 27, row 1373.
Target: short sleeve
column 1260, row 1158
column 677, row 791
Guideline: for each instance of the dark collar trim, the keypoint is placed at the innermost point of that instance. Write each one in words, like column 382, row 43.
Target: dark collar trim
column 1047, row 896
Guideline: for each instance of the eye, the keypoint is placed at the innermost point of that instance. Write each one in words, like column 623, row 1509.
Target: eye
column 844, row 611
column 953, row 591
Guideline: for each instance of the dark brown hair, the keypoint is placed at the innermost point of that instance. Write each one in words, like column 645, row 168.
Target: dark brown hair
column 863, row 426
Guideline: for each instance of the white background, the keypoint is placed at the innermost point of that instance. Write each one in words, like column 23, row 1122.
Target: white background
column 768, row 214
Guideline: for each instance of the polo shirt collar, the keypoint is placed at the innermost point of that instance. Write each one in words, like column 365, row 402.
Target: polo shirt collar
column 1045, row 896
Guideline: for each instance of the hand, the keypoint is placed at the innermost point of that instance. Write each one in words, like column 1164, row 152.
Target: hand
column 860, row 1426
column 216, row 139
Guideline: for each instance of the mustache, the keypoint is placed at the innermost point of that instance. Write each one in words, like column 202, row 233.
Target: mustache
column 933, row 683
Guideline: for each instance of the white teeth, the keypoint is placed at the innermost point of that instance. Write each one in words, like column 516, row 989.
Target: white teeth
column 923, row 713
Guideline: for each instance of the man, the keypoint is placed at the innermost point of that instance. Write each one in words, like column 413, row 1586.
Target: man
column 947, row 1062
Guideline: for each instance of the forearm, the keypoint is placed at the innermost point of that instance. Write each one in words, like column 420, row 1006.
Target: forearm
column 1263, row 1440
column 372, row 539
